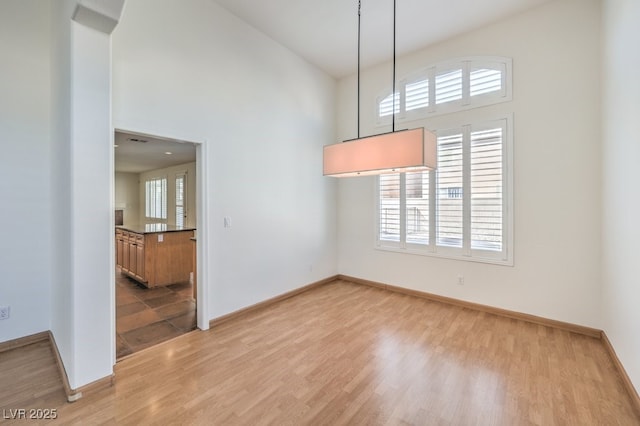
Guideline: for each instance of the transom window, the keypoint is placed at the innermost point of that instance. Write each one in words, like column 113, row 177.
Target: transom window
column 448, row 87
column 462, row 209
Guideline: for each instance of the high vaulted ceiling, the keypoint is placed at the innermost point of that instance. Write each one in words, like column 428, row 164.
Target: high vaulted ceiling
column 324, row 32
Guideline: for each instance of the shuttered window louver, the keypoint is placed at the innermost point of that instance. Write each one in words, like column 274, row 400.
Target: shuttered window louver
column 449, row 191
column 417, row 211
column 156, row 198
column 417, row 95
column 484, row 81
column 386, row 105
column 389, row 208
column 486, row 189
column 449, row 86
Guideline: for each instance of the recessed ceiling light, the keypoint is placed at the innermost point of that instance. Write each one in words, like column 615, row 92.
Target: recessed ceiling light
column 168, row 153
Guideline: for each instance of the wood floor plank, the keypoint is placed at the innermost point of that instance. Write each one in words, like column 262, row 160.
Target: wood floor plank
column 350, row 354
column 30, row 378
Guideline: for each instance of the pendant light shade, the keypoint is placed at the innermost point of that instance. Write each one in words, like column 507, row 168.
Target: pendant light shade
column 401, row 151
column 398, row 151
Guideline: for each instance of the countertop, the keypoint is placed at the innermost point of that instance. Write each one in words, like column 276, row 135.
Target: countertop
column 154, row 228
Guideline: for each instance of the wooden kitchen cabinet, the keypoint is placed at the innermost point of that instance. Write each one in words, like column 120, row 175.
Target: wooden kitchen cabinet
column 140, row 261
column 119, row 247
column 155, row 258
column 136, row 257
column 125, row 251
column 132, row 256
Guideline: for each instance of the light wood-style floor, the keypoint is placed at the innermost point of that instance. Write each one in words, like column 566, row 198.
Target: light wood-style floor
column 349, row 354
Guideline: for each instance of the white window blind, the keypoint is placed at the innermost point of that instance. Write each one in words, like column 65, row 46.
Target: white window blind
column 460, row 210
column 417, row 212
column 409, row 193
column 389, row 196
column 486, row 189
column 450, row 190
column 449, row 86
column 417, row 95
column 156, row 198
column 180, row 199
column 386, row 105
column 485, row 81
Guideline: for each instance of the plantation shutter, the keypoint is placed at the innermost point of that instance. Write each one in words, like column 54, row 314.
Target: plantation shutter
column 486, row 189
column 449, row 86
column 417, row 207
column 389, row 207
column 417, row 95
column 449, row 186
column 386, row 105
column 483, row 80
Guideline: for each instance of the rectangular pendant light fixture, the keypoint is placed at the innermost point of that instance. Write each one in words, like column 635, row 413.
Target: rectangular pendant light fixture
column 395, row 152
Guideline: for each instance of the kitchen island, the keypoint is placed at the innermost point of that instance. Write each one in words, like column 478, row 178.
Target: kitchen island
column 155, row 254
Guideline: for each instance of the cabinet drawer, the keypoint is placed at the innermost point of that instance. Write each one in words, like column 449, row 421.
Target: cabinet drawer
column 139, row 239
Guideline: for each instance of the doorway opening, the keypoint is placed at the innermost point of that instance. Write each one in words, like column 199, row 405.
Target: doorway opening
column 156, row 206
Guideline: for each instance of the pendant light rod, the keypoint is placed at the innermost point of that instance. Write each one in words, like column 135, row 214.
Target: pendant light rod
column 393, row 91
column 359, row 8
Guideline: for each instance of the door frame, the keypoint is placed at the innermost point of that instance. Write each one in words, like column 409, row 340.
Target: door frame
column 202, row 226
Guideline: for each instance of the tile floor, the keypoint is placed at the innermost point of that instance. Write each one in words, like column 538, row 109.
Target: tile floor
column 147, row 316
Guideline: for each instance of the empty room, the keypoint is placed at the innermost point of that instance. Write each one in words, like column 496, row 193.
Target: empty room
column 391, row 212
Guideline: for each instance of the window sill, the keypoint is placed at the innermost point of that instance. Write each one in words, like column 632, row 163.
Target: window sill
column 477, row 257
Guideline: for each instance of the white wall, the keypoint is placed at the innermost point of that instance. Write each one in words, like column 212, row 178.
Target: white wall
column 62, row 313
column 556, row 97
column 170, row 174
column 82, row 302
column 621, row 198
column 127, row 196
column 91, row 206
column 25, row 257
column 192, row 71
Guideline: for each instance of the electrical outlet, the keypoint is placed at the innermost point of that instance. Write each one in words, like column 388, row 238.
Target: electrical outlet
column 4, row 312
column 460, row 279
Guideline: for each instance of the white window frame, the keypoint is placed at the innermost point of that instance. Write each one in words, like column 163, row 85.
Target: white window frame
column 467, row 101
column 503, row 257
